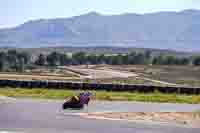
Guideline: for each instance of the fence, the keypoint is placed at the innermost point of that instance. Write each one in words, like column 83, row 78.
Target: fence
column 97, row 86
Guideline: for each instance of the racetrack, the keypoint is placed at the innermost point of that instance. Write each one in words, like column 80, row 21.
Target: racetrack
column 32, row 116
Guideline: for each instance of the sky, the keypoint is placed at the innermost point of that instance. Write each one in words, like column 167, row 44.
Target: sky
column 15, row 12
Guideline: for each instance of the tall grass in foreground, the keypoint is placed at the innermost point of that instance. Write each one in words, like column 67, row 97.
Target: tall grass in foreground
column 102, row 95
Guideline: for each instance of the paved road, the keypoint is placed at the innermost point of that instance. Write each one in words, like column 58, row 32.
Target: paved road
column 139, row 107
column 45, row 116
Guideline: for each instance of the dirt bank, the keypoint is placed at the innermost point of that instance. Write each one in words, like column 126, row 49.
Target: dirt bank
column 178, row 118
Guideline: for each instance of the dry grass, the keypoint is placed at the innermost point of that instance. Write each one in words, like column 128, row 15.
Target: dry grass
column 102, row 95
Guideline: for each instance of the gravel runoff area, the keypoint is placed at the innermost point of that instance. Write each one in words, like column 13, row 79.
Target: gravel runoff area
column 186, row 119
column 102, row 73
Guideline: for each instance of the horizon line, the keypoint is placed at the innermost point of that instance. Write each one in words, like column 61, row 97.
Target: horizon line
column 101, row 14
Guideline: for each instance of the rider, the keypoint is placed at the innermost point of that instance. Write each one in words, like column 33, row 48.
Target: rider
column 82, row 98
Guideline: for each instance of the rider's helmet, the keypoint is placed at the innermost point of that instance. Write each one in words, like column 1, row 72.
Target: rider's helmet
column 87, row 94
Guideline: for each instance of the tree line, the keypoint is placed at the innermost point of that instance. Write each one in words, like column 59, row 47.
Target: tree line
column 13, row 60
column 132, row 58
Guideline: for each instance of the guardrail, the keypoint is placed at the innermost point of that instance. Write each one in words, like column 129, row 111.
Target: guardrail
column 97, row 86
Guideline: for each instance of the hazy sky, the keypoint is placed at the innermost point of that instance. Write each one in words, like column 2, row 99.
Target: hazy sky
column 14, row 12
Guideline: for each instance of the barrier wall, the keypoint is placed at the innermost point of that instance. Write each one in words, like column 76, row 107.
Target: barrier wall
column 95, row 86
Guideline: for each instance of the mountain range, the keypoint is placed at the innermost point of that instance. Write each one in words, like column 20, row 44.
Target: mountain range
column 162, row 30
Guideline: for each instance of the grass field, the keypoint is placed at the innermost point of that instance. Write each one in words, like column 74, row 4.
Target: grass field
column 182, row 75
column 101, row 95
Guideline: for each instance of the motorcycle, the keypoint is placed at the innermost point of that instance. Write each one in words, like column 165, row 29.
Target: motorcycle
column 77, row 102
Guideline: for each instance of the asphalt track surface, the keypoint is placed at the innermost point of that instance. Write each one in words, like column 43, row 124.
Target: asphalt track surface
column 40, row 116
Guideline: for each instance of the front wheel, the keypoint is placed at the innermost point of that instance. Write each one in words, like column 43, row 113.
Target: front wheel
column 68, row 105
column 65, row 105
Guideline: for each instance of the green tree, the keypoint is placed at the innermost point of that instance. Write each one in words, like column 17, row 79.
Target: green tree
column 53, row 59
column 114, row 60
column 119, row 59
column 26, row 57
column 92, row 59
column 79, row 57
column 184, row 61
column 125, row 59
column 170, row 60
column 21, row 65
column 196, row 61
column 41, row 60
column 148, row 57
column 140, row 58
column 2, row 61
column 158, row 60
column 101, row 59
column 12, row 58
column 64, row 59
column 131, row 58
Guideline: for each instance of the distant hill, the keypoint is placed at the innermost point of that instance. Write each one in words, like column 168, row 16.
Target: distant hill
column 163, row 30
